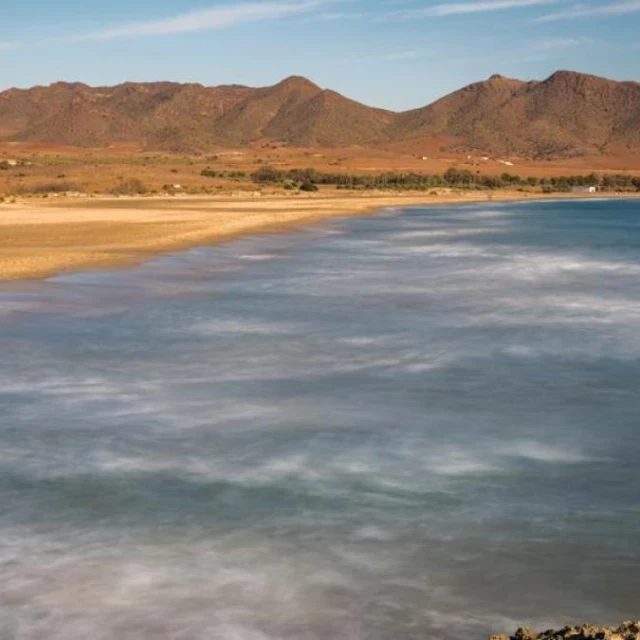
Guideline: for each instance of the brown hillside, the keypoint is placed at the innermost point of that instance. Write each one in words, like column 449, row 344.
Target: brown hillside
column 472, row 115
column 330, row 120
column 568, row 114
column 249, row 119
column 584, row 112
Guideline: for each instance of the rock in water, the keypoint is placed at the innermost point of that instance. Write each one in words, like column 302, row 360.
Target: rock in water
column 629, row 630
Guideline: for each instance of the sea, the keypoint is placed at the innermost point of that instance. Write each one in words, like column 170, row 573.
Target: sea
column 423, row 424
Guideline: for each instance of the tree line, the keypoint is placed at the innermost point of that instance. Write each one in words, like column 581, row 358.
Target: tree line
column 452, row 178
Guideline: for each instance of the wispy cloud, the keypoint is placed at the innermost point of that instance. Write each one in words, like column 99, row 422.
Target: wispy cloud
column 549, row 45
column 547, row 48
column 475, row 6
column 585, row 10
column 337, row 15
column 7, row 45
column 326, row 16
column 209, row 19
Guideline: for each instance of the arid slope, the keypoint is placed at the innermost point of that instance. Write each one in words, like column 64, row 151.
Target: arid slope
column 568, row 114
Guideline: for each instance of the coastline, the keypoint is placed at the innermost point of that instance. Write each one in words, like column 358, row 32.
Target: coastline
column 39, row 239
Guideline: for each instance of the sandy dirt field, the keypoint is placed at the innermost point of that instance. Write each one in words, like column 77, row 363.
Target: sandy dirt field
column 100, row 171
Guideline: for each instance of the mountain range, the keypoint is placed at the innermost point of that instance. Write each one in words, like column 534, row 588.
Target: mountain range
column 568, row 114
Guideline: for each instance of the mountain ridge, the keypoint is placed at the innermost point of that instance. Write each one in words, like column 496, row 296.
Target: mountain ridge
column 567, row 114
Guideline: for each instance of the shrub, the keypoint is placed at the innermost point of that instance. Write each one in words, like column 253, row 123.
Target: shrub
column 129, row 187
column 266, row 174
column 308, row 186
column 46, row 188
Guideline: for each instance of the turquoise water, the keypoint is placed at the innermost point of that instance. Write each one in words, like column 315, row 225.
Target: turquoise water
column 424, row 424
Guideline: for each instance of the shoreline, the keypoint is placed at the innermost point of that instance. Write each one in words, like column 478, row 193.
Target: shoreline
column 42, row 239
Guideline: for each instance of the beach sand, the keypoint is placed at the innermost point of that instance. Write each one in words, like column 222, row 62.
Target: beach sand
column 40, row 238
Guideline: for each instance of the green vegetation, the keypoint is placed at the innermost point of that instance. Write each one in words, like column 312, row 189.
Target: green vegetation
column 44, row 189
column 129, row 187
column 233, row 175
column 452, row 178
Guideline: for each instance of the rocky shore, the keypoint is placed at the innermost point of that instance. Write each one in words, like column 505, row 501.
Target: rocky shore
column 629, row 630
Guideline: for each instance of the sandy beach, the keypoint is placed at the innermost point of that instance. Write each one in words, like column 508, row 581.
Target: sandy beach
column 40, row 238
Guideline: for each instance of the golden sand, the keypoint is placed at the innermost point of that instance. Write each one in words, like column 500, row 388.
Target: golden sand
column 39, row 238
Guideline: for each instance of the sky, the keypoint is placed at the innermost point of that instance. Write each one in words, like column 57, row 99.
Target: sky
column 396, row 54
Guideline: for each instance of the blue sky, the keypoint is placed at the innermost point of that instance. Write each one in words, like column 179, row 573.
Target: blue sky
column 396, row 54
